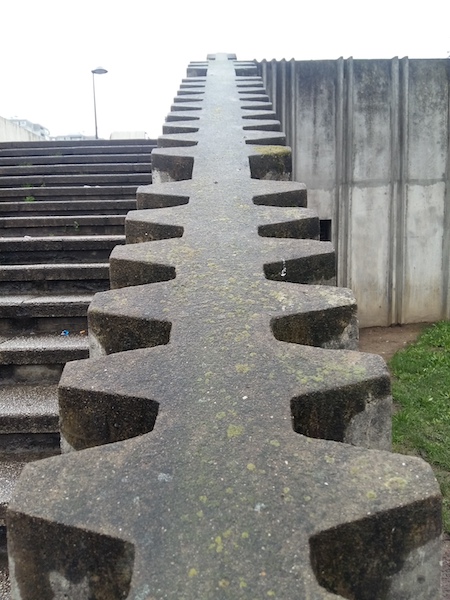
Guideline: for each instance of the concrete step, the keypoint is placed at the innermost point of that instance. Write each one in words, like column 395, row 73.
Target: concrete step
column 53, row 279
column 12, row 463
column 76, row 159
column 29, row 430
column 67, row 207
column 42, row 349
column 10, row 470
column 68, row 193
column 58, row 249
column 72, row 150
column 84, row 142
column 61, row 202
column 46, row 181
column 26, row 313
column 39, row 358
column 40, row 226
column 26, row 171
column 80, row 146
column 28, row 409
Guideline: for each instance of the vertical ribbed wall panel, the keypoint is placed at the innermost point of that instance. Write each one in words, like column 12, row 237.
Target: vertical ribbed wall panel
column 376, row 136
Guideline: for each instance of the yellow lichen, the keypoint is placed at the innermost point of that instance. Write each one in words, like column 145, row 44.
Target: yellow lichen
column 234, row 431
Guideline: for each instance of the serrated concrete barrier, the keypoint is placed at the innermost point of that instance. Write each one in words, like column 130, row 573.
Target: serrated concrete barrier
column 232, row 443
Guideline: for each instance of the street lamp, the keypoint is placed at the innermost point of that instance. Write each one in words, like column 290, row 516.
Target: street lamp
column 97, row 71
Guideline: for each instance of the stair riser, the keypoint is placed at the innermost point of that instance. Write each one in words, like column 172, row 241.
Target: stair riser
column 30, row 195
column 30, row 374
column 57, row 286
column 74, row 180
column 74, row 229
column 28, row 170
column 41, row 433
column 43, row 444
column 25, row 325
column 41, row 357
column 110, row 159
column 36, row 367
column 16, row 449
column 73, row 150
column 63, row 208
column 55, row 257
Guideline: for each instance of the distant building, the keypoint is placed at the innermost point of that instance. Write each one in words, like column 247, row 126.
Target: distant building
column 35, row 128
column 73, row 137
column 128, row 135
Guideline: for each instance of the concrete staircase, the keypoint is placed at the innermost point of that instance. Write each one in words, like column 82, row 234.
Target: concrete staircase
column 62, row 211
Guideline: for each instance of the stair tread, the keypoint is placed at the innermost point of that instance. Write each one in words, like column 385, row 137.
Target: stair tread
column 72, row 147
column 40, row 220
column 52, row 272
column 79, row 190
column 55, row 250
column 87, row 168
column 8, row 181
column 67, row 208
column 69, row 159
column 42, row 349
column 49, row 267
column 39, row 299
column 43, row 342
column 38, row 266
column 60, row 239
column 10, row 471
column 53, row 306
column 28, row 401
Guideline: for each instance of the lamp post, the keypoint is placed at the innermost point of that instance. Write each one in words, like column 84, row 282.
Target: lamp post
column 97, row 71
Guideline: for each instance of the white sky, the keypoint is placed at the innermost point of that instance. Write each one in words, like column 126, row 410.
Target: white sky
column 49, row 47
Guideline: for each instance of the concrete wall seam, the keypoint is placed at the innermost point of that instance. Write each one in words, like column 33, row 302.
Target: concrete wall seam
column 370, row 139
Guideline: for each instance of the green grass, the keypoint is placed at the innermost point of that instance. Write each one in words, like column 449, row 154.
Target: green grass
column 421, row 391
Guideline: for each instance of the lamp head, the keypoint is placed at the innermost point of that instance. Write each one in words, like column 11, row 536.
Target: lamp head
column 99, row 71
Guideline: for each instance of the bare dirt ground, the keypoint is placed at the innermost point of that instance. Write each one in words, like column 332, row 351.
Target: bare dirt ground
column 386, row 341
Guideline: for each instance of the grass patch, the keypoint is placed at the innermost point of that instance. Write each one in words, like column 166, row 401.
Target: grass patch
column 421, row 390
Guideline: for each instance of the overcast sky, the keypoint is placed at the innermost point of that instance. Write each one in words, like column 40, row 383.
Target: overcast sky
column 49, row 47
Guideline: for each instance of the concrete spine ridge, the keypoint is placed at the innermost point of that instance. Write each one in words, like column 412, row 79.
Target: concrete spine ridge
column 224, row 439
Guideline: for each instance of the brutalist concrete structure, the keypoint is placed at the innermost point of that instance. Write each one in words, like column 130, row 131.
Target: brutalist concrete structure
column 225, row 439
column 370, row 139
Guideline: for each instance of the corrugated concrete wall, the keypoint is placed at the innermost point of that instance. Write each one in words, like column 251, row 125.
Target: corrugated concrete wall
column 10, row 132
column 371, row 141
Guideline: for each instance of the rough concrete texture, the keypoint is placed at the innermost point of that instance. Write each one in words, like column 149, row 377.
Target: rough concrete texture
column 371, row 139
column 217, row 495
column 28, row 408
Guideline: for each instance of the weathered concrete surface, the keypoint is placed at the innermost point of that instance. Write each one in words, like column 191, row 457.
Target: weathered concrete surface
column 220, row 497
column 134, row 317
column 11, row 131
column 225, row 512
column 370, row 140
